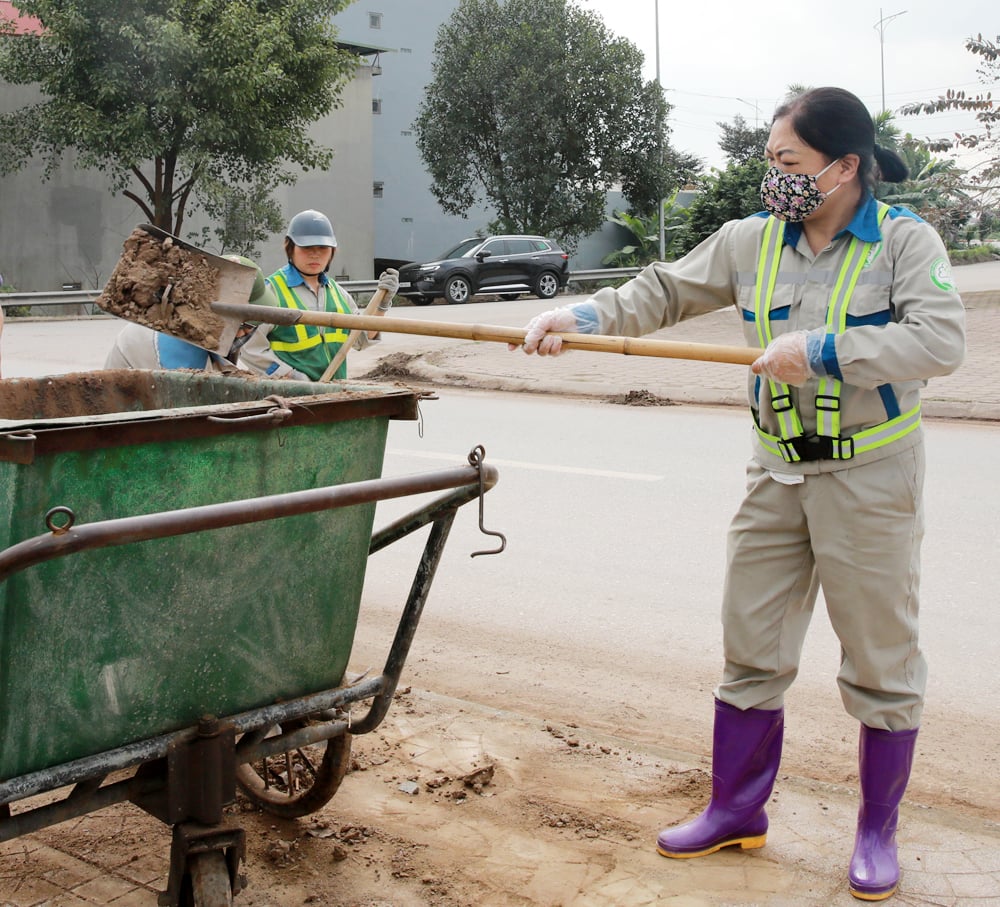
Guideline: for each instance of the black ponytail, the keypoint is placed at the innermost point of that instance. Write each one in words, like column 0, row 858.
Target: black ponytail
column 891, row 167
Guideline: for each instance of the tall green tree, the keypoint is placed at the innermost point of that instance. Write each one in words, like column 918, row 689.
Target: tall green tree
column 741, row 142
column 733, row 192
column 729, row 194
column 937, row 190
column 537, row 110
column 164, row 95
column 987, row 114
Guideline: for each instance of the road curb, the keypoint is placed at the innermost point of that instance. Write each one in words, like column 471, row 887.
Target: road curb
column 441, row 376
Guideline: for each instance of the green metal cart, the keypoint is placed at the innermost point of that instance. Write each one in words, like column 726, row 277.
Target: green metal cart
column 181, row 567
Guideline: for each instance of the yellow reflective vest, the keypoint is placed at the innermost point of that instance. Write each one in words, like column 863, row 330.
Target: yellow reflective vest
column 792, row 442
column 306, row 347
column 883, row 291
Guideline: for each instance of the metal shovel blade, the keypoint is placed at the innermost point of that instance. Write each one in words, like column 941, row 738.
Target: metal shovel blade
column 169, row 285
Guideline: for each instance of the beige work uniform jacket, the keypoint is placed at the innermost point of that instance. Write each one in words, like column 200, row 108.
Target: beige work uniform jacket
column 906, row 322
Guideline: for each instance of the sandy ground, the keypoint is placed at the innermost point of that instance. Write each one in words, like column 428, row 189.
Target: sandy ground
column 561, row 814
column 461, row 801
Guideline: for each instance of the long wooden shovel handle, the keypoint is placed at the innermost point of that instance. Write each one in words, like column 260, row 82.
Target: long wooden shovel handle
column 353, row 337
column 597, row 343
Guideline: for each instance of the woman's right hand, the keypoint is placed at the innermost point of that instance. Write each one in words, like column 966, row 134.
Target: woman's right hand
column 538, row 339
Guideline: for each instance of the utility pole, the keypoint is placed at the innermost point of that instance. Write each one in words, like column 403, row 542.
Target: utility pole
column 883, row 21
column 663, row 244
column 756, row 111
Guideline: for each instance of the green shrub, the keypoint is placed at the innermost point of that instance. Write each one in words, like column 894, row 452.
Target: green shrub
column 974, row 256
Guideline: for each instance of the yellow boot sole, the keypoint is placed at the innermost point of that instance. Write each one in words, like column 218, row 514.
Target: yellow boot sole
column 868, row 896
column 749, row 843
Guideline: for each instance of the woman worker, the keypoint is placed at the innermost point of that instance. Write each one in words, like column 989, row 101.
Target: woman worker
column 304, row 351
column 854, row 305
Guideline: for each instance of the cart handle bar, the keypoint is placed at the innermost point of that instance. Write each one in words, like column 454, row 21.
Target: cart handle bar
column 70, row 539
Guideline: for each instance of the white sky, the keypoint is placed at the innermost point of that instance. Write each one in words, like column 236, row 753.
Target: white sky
column 720, row 58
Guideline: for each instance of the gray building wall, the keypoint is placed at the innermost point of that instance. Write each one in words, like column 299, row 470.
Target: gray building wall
column 409, row 224
column 344, row 192
column 67, row 229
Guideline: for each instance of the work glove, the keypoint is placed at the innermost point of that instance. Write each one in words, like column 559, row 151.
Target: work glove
column 786, row 360
column 388, row 280
column 537, row 338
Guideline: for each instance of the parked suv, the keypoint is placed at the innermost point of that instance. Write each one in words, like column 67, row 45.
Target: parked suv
column 505, row 265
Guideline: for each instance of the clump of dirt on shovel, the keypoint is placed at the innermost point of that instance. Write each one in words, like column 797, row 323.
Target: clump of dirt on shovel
column 167, row 287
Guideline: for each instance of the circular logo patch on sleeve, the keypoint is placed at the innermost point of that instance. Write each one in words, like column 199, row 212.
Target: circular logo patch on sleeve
column 942, row 276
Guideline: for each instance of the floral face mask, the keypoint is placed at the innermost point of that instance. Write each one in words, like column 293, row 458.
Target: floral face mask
column 793, row 196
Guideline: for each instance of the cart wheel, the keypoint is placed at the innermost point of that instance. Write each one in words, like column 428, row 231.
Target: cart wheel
column 297, row 782
column 209, row 878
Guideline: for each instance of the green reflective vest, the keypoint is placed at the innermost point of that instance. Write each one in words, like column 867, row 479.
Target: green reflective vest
column 307, row 347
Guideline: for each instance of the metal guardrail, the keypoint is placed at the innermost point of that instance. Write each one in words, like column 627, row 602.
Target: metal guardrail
column 85, row 300
column 602, row 274
column 81, row 300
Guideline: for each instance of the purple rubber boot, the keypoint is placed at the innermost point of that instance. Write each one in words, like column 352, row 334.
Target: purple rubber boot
column 884, row 761
column 746, row 750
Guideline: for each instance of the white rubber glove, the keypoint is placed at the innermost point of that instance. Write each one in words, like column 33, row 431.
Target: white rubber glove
column 537, row 338
column 786, row 360
column 388, row 280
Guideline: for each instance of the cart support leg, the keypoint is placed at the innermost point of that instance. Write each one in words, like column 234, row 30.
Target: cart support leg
column 408, row 623
column 201, row 774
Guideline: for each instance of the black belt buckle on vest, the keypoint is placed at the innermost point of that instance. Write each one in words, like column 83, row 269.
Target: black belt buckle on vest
column 812, row 448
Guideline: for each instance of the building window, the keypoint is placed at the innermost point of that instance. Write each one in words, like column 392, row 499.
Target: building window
column 406, row 132
column 377, row 188
column 405, row 50
column 374, row 20
column 407, row 220
column 376, row 105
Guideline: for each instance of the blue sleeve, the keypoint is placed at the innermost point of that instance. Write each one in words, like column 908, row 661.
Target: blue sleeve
column 587, row 321
column 821, row 350
column 175, row 353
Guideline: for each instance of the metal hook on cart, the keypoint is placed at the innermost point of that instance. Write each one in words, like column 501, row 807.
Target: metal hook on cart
column 476, row 457
column 423, row 395
column 57, row 527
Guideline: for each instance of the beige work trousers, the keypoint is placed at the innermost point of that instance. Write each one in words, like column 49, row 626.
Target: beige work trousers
column 856, row 533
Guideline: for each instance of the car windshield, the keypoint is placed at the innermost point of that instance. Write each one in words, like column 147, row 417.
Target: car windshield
column 458, row 251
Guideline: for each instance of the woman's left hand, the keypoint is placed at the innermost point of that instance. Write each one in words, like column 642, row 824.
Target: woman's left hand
column 786, row 360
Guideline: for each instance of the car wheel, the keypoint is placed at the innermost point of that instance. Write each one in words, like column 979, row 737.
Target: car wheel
column 457, row 290
column 547, row 285
column 509, row 297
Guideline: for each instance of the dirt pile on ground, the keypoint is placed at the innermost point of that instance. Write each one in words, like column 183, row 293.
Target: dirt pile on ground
column 167, row 286
column 640, row 398
column 394, row 366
